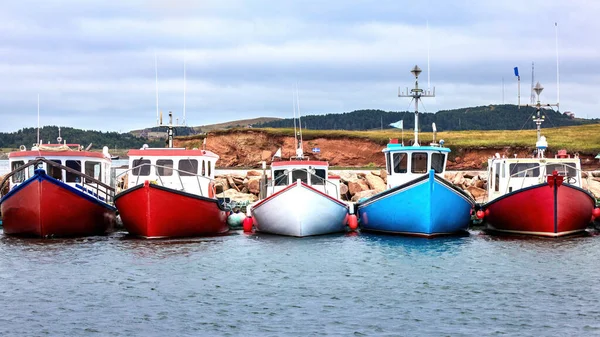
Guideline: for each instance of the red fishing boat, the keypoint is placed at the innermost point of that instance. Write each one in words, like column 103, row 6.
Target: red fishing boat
column 537, row 196
column 170, row 192
column 58, row 190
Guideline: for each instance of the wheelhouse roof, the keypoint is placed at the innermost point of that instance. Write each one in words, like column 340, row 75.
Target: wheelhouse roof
column 56, row 154
column 402, row 148
column 171, row 152
column 299, row 163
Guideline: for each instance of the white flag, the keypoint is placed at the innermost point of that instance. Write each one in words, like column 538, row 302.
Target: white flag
column 278, row 153
column 398, row 124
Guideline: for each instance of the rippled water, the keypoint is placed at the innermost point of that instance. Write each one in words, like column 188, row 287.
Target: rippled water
column 264, row 285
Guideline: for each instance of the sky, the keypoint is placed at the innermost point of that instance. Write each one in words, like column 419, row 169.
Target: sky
column 94, row 64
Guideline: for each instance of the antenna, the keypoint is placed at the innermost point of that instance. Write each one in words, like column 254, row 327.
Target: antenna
column 416, row 94
column 38, row 115
column 156, row 72
column 557, row 78
column 294, row 108
column 184, row 82
column 301, row 152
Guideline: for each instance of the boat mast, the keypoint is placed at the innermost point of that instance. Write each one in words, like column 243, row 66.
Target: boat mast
column 416, row 94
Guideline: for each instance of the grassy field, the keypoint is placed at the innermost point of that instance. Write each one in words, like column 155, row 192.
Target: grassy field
column 584, row 139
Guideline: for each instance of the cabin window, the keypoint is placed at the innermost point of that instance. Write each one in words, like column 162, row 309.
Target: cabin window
column 31, row 169
column 400, row 162
column 93, row 169
column 75, row 165
column 503, row 170
column 18, row 177
column 164, row 167
column 497, row 178
column 300, row 174
column 188, row 167
column 141, row 167
column 564, row 169
column 437, row 162
column 280, row 178
column 318, row 178
column 388, row 162
column 208, row 165
column 527, row 170
column 203, row 168
column 419, row 162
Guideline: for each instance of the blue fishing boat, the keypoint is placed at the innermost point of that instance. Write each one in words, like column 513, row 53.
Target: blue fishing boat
column 418, row 201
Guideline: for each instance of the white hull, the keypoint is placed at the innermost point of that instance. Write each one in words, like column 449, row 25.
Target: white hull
column 299, row 211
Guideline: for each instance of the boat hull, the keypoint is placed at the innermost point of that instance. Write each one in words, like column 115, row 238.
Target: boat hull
column 45, row 207
column 428, row 206
column 152, row 211
column 551, row 210
column 300, row 210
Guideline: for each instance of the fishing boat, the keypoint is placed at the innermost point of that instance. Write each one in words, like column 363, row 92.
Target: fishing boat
column 58, row 190
column 170, row 192
column 302, row 198
column 418, row 201
column 537, row 196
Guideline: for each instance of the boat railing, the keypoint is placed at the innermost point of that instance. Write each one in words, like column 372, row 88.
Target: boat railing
column 160, row 178
column 286, row 174
column 86, row 184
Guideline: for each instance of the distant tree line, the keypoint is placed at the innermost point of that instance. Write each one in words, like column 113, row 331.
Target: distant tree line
column 28, row 136
column 488, row 117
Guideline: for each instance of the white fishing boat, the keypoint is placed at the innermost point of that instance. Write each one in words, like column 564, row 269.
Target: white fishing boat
column 302, row 198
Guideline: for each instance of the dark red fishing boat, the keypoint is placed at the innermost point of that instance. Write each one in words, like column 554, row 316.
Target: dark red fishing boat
column 537, row 196
column 58, row 190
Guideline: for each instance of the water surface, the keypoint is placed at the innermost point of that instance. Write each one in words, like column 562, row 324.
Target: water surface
column 262, row 285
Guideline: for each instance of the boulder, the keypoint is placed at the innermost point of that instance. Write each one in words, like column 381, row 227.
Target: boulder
column 237, row 196
column 376, row 173
column 343, row 189
column 232, row 183
column 356, row 186
column 253, row 173
column 254, row 185
column 476, row 192
column 596, row 174
column 375, row 183
column 363, row 194
column 470, row 174
column 593, row 186
column 383, row 175
column 449, row 176
column 222, row 182
column 458, row 179
column 346, row 176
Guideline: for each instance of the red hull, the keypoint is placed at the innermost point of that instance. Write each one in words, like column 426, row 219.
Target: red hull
column 47, row 208
column 541, row 210
column 152, row 211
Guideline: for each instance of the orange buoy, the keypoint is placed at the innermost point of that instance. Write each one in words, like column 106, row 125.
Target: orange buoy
column 480, row 214
column 248, row 224
column 211, row 189
column 352, row 222
column 596, row 212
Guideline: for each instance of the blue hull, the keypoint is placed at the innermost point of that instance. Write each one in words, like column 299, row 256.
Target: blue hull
column 427, row 206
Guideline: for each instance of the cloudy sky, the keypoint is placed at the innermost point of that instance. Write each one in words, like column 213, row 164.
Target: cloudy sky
column 93, row 62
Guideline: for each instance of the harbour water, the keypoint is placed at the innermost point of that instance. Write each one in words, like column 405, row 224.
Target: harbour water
column 261, row 285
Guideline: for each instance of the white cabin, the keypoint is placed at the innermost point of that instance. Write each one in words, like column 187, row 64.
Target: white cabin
column 180, row 169
column 311, row 172
column 506, row 175
column 92, row 164
column 406, row 163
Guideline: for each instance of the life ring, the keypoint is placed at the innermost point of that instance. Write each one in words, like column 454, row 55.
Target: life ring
column 211, row 189
column 22, row 148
